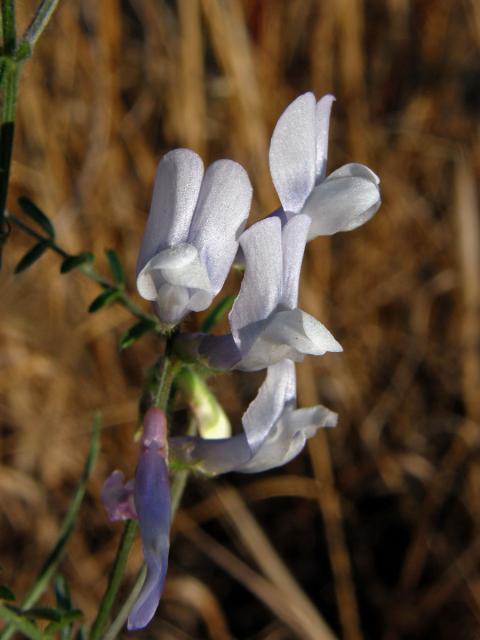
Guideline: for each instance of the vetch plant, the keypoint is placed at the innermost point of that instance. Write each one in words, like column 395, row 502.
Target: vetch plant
column 194, row 232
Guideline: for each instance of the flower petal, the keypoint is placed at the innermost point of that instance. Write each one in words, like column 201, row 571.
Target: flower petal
column 220, row 217
column 322, row 123
column 152, row 502
column 287, row 438
column 277, row 392
column 117, row 497
column 292, row 153
column 342, row 202
column 211, row 457
column 262, row 285
column 294, row 238
column 289, row 334
column 175, row 193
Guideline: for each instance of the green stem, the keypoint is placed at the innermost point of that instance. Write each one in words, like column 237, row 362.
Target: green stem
column 19, row 622
column 87, row 270
column 51, row 563
column 40, row 20
column 115, row 580
column 8, row 26
column 10, row 83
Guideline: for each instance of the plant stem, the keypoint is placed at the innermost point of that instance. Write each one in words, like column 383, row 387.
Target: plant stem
column 8, row 26
column 114, row 580
column 22, row 624
column 10, row 73
column 88, row 270
column 51, row 563
column 40, row 20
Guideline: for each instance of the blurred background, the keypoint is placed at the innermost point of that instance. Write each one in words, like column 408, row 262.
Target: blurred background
column 375, row 529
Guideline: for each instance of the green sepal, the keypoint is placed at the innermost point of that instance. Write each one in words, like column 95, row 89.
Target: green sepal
column 32, row 211
column 104, row 298
column 135, row 332
column 115, row 266
column 217, row 313
column 72, row 262
column 6, row 593
column 32, row 255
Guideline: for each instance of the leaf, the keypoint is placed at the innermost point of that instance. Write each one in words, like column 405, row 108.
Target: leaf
column 43, row 613
column 64, row 620
column 29, row 629
column 32, row 255
column 135, row 332
column 72, row 262
column 106, row 297
column 64, row 602
column 5, row 593
column 217, row 313
column 115, row 266
column 36, row 214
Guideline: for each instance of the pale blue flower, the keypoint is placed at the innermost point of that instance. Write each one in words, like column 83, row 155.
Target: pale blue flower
column 192, row 232
column 274, row 431
column 344, row 200
column 266, row 324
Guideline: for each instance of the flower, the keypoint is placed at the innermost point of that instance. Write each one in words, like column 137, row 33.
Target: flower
column 192, row 232
column 274, row 431
column 266, row 324
column 151, row 505
column 344, row 200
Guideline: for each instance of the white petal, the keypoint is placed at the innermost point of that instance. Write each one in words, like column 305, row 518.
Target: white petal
column 294, row 238
column 287, row 438
column 355, row 170
column 172, row 303
column 220, row 217
column 289, row 334
column 341, row 204
column 322, row 117
column 277, row 392
column 261, row 287
column 175, row 193
column 292, row 153
column 210, row 456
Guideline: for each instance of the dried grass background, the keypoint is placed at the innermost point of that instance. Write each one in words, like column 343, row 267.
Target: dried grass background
column 375, row 529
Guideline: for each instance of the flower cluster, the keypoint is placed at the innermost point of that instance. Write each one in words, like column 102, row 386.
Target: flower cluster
column 194, row 231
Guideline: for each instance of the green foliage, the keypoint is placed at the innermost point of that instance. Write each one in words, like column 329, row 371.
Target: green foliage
column 6, row 593
column 135, row 332
column 103, row 299
column 32, row 255
column 115, row 266
column 217, row 313
column 72, row 262
column 32, row 211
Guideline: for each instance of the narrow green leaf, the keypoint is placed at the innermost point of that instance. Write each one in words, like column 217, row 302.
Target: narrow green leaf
column 65, row 620
column 106, row 297
column 32, row 255
column 135, row 332
column 22, row 624
column 72, row 262
column 64, row 602
column 81, row 634
column 36, row 214
column 217, row 313
column 43, row 613
column 115, row 266
column 5, row 593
